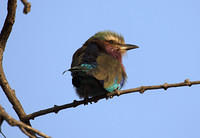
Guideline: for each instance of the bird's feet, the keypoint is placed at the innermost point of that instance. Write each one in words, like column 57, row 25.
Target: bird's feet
column 86, row 101
column 108, row 96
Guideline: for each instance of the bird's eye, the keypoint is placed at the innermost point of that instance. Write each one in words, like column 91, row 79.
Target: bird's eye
column 111, row 41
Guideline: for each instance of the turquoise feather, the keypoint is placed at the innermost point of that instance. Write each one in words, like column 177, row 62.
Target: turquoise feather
column 115, row 86
column 88, row 66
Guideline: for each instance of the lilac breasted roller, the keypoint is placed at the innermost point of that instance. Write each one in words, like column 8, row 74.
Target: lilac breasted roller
column 97, row 66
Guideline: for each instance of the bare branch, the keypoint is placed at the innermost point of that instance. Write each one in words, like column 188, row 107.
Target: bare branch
column 27, row 6
column 4, row 35
column 2, row 134
column 1, row 122
column 141, row 89
column 27, row 133
column 10, row 93
column 8, row 24
column 24, row 127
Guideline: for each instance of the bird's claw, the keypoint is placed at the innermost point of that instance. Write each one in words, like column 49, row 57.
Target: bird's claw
column 86, row 101
column 109, row 97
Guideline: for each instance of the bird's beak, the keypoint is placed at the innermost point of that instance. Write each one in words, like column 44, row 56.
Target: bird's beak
column 128, row 47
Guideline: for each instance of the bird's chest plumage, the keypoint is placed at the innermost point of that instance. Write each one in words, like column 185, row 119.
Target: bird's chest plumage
column 110, row 71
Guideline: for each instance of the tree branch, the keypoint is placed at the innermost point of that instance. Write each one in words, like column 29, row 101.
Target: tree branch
column 1, row 122
column 27, row 6
column 7, row 27
column 141, row 89
column 27, row 133
column 24, row 127
column 6, row 30
column 4, row 35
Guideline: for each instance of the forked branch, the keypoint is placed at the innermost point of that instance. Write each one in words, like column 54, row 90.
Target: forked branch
column 5, row 33
column 23, row 127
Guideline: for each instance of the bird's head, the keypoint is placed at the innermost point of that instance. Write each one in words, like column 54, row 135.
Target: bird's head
column 113, row 42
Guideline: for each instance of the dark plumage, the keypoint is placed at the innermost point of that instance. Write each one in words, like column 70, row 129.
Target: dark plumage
column 97, row 67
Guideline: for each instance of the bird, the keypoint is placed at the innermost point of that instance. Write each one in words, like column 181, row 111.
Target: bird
column 97, row 67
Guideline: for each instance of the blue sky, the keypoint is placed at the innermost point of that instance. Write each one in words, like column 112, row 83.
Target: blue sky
column 41, row 46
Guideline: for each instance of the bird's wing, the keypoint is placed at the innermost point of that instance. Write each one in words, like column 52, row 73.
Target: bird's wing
column 85, row 54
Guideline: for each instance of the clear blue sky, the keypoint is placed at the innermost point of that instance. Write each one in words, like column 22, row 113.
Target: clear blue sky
column 41, row 46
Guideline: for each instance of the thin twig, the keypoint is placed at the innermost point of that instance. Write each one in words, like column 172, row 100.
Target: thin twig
column 1, row 122
column 27, row 6
column 141, row 89
column 11, row 121
column 2, row 133
column 26, row 132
